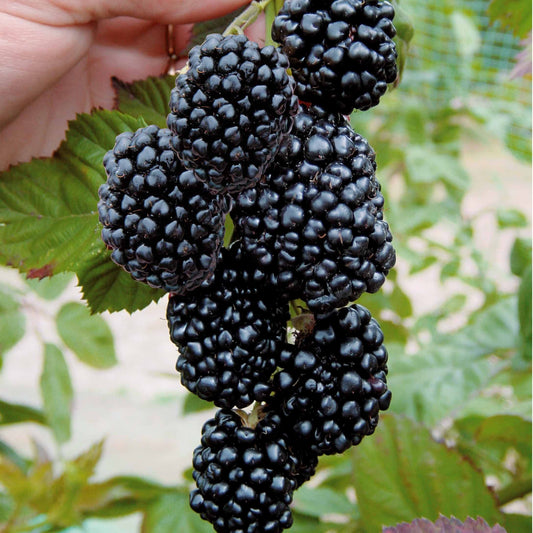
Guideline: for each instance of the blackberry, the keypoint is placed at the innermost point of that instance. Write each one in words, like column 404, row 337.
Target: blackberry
column 230, row 110
column 160, row 222
column 334, row 384
column 341, row 53
column 316, row 222
column 229, row 334
column 244, row 475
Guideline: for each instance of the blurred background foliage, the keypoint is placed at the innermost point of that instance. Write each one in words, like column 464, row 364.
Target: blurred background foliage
column 456, row 311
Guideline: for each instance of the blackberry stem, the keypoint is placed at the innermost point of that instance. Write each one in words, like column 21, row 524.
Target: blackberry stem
column 246, row 18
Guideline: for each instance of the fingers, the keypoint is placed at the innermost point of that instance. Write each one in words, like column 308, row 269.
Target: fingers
column 76, row 12
column 167, row 11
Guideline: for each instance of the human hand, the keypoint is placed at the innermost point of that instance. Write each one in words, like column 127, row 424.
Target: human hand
column 58, row 58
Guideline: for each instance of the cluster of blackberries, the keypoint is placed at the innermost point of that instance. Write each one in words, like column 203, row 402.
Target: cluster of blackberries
column 277, row 155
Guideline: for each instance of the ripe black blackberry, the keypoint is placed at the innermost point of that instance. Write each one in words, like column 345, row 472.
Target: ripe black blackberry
column 230, row 110
column 229, row 334
column 341, row 53
column 333, row 383
column 162, row 224
column 315, row 224
column 244, row 475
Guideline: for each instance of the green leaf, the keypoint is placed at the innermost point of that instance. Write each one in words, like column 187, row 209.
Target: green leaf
column 171, row 513
column 48, row 219
column 50, row 288
column 508, row 392
column 320, row 501
column 118, row 496
column 514, row 15
column 14, row 457
column 306, row 524
column 88, row 336
column 517, row 523
column 488, row 440
column 400, row 302
column 7, row 506
column 229, row 227
column 57, row 392
column 145, row 99
column 404, row 34
column 401, row 473
column 510, row 430
column 525, row 315
column 66, row 488
column 106, row 287
column 194, row 404
column 49, row 224
column 511, row 218
column 426, row 165
column 14, row 413
column 423, row 525
column 202, row 29
column 520, row 256
column 12, row 322
column 452, row 367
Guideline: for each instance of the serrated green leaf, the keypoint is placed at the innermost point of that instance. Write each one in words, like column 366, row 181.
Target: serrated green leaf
column 442, row 524
column 14, row 413
column 88, row 336
column 499, row 430
column 520, row 256
column 452, row 367
column 171, row 513
column 147, row 99
column 107, row 287
column 320, row 501
column 511, row 218
column 194, row 404
column 48, row 220
column 514, row 15
column 57, row 392
column 12, row 322
column 50, row 288
column 401, row 473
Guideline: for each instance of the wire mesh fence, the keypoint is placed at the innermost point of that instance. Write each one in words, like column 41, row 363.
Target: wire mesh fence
column 458, row 55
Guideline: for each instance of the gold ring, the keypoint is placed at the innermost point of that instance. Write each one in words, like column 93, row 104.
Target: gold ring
column 171, row 51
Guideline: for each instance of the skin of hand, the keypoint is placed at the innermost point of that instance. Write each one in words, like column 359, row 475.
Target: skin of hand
column 58, row 57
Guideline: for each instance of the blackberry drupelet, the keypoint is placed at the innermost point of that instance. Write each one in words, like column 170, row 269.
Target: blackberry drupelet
column 244, row 475
column 315, row 224
column 160, row 222
column 341, row 53
column 333, row 383
column 229, row 334
column 230, row 110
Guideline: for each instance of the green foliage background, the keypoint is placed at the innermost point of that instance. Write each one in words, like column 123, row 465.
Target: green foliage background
column 457, row 438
